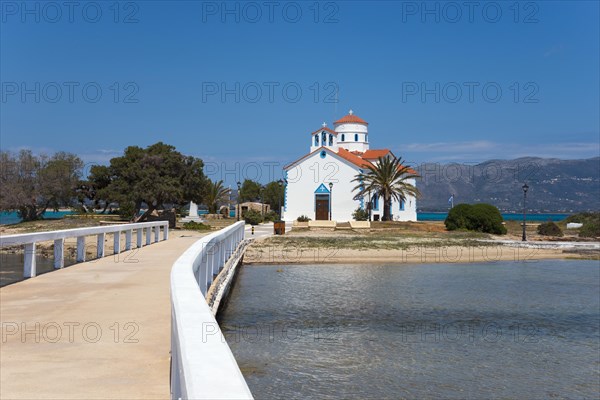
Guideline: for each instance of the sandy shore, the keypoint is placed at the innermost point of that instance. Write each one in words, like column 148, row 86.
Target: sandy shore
column 335, row 247
column 411, row 255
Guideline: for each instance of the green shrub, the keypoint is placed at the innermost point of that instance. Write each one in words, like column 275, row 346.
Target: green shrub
column 590, row 221
column 271, row 216
column 458, row 217
column 583, row 217
column 549, row 229
column 590, row 229
column 479, row 217
column 303, row 218
column 253, row 217
column 196, row 226
column 360, row 215
column 127, row 210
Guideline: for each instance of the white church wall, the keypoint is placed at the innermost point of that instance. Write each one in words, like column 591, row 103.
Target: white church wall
column 307, row 176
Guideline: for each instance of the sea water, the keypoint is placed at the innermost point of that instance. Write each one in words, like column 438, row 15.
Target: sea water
column 481, row 330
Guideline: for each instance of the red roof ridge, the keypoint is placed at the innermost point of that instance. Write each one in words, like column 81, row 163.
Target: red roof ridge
column 351, row 118
column 353, row 158
column 372, row 154
column 324, row 129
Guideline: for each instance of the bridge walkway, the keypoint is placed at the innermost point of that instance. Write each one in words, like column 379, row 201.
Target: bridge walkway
column 95, row 330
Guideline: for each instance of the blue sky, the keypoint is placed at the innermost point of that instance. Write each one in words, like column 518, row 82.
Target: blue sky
column 426, row 76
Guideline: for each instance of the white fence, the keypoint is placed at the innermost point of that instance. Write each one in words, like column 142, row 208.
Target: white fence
column 29, row 240
column 202, row 365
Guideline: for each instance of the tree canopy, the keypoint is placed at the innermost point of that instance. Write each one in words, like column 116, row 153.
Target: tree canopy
column 387, row 178
column 154, row 176
column 33, row 183
column 250, row 191
column 273, row 195
column 216, row 195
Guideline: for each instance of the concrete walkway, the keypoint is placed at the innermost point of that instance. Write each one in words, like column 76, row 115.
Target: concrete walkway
column 96, row 330
column 263, row 230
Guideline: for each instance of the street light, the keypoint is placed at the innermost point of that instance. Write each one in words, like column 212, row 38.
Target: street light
column 261, row 193
column 369, row 206
column 280, row 183
column 525, row 187
column 239, row 185
column 330, row 198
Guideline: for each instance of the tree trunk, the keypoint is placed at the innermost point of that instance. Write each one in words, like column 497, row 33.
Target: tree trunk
column 387, row 206
column 30, row 212
column 145, row 215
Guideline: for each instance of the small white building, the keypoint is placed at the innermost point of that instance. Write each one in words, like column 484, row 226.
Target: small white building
column 319, row 184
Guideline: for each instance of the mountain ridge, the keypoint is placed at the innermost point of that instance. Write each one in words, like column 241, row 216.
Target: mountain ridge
column 555, row 185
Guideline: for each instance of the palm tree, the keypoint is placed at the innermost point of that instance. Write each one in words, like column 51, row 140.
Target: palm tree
column 388, row 179
column 215, row 196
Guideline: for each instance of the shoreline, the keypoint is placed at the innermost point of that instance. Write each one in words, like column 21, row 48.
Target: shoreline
column 398, row 248
column 425, row 255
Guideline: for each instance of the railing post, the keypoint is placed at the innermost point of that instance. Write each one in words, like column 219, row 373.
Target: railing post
column 210, row 267
column 223, row 254
column 80, row 249
column 128, row 234
column 156, row 233
column 139, row 237
column 100, row 242
column 148, row 236
column 29, row 267
column 117, row 242
column 166, row 232
column 203, row 274
column 59, row 255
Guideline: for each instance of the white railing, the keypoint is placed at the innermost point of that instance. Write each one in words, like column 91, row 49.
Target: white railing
column 29, row 240
column 202, row 365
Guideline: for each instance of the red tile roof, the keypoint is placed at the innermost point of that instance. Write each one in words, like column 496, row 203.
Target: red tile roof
column 351, row 118
column 353, row 158
column 375, row 154
column 324, row 129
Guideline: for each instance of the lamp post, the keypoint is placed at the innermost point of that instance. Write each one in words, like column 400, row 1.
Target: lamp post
column 330, row 198
column 280, row 182
column 239, row 185
column 261, row 193
column 369, row 206
column 525, row 187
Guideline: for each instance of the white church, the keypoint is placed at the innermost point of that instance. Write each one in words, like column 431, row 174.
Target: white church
column 319, row 184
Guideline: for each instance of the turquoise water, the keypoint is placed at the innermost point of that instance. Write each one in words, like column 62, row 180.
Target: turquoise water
column 440, row 216
column 12, row 217
column 504, row 330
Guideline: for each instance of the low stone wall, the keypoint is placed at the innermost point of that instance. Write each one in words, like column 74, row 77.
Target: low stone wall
column 360, row 224
column 322, row 224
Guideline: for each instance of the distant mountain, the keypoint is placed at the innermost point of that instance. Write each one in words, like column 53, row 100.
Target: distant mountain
column 554, row 185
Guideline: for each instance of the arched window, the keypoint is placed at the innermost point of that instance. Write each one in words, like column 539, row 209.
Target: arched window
column 323, row 138
column 356, row 137
column 375, row 202
column 316, row 140
column 330, row 139
column 343, row 137
column 367, row 138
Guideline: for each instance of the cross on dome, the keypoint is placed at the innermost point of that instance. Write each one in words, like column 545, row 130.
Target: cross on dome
column 350, row 112
column 324, row 124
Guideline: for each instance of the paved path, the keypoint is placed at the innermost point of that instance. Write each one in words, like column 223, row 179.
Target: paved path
column 263, row 230
column 95, row 330
column 547, row 244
